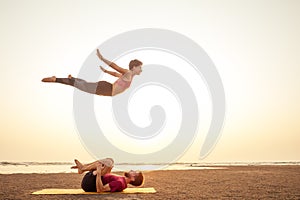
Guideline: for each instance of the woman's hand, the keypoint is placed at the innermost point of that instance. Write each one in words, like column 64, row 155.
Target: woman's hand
column 99, row 55
column 104, row 70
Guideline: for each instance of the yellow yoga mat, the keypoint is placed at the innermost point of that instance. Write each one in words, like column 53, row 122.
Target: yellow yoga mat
column 80, row 191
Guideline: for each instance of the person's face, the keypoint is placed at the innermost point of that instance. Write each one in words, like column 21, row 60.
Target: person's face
column 137, row 69
column 131, row 174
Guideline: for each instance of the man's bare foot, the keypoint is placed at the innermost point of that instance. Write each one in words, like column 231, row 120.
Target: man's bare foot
column 70, row 76
column 49, row 79
column 79, row 166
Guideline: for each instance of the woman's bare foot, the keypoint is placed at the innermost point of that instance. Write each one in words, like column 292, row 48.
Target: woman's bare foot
column 78, row 166
column 49, row 79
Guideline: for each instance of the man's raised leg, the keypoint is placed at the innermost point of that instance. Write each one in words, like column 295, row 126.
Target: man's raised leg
column 108, row 163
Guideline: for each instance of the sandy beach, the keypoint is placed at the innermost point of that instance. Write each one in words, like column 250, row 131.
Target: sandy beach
column 235, row 182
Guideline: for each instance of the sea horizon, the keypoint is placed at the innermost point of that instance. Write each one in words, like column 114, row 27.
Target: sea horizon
column 7, row 167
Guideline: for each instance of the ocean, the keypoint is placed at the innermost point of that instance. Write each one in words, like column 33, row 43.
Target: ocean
column 65, row 167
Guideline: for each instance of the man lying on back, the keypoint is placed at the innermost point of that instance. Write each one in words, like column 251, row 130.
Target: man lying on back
column 99, row 177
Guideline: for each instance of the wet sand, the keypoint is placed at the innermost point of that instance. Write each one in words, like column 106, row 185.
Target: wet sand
column 243, row 182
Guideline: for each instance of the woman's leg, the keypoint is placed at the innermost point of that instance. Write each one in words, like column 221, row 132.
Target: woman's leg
column 89, row 87
column 75, row 82
column 66, row 81
column 102, row 88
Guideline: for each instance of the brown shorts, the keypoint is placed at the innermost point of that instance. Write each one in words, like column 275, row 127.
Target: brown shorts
column 104, row 88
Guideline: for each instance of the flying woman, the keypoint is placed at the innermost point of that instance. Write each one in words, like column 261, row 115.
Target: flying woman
column 104, row 88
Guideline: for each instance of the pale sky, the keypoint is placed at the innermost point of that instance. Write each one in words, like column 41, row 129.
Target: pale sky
column 254, row 45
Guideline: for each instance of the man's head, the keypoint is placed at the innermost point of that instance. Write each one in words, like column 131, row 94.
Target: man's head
column 135, row 66
column 136, row 177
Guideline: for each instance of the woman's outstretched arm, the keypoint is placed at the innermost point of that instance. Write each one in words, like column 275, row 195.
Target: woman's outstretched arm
column 111, row 64
column 116, row 74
